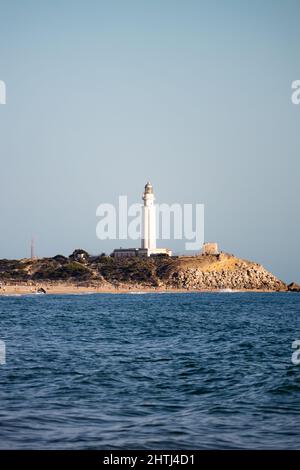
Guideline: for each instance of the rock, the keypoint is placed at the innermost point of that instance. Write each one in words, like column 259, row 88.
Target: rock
column 233, row 274
column 293, row 287
column 41, row 291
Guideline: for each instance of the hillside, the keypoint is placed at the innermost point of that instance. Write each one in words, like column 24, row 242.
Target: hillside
column 204, row 272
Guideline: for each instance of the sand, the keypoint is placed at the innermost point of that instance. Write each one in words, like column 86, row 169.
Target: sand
column 61, row 288
column 67, row 288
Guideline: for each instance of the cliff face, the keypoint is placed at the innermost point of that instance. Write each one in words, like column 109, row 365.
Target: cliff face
column 224, row 272
column 207, row 272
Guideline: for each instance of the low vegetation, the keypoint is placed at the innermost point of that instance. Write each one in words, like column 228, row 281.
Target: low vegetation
column 222, row 271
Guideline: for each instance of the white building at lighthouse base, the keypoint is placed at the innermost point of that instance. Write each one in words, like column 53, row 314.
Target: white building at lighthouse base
column 141, row 252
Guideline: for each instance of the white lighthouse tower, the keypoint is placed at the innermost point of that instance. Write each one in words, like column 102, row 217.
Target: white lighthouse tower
column 148, row 235
column 148, row 222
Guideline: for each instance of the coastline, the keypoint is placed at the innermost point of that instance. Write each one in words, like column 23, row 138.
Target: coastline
column 73, row 289
column 105, row 274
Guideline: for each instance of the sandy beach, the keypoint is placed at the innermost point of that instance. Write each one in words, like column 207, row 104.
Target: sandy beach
column 68, row 289
column 64, row 288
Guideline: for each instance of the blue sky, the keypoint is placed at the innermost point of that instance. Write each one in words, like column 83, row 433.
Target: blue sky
column 192, row 95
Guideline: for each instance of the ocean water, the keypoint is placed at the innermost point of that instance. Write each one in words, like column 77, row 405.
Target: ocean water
column 172, row 371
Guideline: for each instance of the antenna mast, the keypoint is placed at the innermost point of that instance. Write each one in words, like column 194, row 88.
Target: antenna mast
column 32, row 249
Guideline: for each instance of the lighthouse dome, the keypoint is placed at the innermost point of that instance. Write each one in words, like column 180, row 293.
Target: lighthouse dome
column 148, row 188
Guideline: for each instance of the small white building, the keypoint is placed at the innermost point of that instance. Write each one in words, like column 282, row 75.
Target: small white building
column 210, row 249
column 125, row 252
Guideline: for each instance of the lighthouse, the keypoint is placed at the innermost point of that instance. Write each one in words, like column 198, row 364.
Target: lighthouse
column 148, row 231
column 148, row 219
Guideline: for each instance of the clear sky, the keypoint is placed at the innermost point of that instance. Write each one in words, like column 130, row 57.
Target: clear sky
column 194, row 96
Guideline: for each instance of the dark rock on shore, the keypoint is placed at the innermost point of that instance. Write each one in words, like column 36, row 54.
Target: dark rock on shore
column 293, row 287
column 41, row 290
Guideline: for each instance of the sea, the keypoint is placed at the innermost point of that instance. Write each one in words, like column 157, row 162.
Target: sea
column 150, row 371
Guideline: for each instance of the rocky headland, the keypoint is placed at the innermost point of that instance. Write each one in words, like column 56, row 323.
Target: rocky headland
column 80, row 271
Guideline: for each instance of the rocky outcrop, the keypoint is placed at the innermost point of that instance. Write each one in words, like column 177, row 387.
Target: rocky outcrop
column 251, row 278
column 203, row 272
column 225, row 272
column 293, row 287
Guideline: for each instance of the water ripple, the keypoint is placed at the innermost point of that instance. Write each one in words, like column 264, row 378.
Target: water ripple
column 152, row 371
